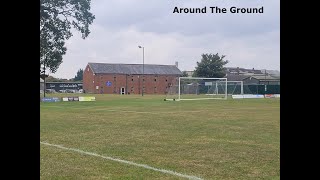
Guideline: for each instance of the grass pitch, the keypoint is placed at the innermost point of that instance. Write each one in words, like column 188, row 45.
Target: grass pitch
column 210, row 139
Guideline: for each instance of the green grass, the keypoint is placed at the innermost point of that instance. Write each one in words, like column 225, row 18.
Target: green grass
column 211, row 139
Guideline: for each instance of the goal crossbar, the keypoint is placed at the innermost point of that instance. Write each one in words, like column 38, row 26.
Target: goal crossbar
column 179, row 85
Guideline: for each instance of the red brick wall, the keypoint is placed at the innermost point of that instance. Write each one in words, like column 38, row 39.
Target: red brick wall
column 88, row 79
column 133, row 84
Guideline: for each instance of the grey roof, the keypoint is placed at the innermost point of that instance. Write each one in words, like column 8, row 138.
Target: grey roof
column 242, row 70
column 272, row 72
column 268, row 77
column 232, row 77
column 134, row 69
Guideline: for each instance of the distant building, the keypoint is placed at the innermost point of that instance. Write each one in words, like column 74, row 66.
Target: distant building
column 254, row 79
column 273, row 73
column 233, row 77
column 242, row 71
column 266, row 80
column 106, row 78
column 41, row 84
column 253, row 76
column 245, row 72
column 190, row 73
column 64, row 86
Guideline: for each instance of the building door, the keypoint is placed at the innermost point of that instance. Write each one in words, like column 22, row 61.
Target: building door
column 122, row 90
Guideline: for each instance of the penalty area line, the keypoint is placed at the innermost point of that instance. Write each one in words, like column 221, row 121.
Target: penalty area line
column 124, row 161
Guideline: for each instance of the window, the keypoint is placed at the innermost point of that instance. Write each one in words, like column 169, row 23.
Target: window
column 131, row 79
column 166, row 80
column 155, row 79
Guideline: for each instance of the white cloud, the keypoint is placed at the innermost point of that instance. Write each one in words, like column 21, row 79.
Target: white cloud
column 250, row 41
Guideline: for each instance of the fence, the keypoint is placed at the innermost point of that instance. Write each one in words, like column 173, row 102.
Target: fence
column 236, row 89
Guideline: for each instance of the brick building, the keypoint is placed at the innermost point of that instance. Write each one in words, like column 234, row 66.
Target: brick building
column 105, row 78
column 41, row 84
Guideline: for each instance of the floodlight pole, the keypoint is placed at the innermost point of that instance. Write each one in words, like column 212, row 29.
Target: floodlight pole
column 142, row 68
column 179, row 89
column 226, row 93
column 241, row 87
column 265, row 81
column 44, row 80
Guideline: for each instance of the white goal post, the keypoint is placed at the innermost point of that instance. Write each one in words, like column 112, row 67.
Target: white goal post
column 197, row 88
column 235, row 83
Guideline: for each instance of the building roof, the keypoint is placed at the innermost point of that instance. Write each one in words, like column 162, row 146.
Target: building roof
column 237, row 70
column 134, row 69
column 267, row 78
column 232, row 77
column 271, row 72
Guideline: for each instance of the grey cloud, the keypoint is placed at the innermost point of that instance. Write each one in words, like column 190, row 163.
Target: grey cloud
column 121, row 25
column 157, row 16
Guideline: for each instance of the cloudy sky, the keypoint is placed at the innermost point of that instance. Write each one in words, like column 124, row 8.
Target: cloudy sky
column 247, row 40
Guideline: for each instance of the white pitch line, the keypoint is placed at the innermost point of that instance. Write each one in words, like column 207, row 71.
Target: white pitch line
column 124, row 161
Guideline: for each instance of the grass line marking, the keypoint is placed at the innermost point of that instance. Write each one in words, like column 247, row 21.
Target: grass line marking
column 124, row 161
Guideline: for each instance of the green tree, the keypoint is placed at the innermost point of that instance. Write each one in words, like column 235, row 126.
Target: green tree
column 211, row 66
column 184, row 74
column 57, row 19
column 54, row 79
column 79, row 75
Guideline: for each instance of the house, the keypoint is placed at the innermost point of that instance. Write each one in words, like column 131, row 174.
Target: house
column 245, row 72
column 264, row 79
column 254, row 79
column 242, row 71
column 273, row 73
column 234, row 77
column 190, row 73
column 41, row 84
column 107, row 78
column 64, row 87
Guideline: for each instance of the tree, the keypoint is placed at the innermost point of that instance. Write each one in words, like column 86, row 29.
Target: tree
column 53, row 79
column 57, row 19
column 184, row 74
column 211, row 66
column 79, row 75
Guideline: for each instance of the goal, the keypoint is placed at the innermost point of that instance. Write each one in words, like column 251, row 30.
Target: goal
column 235, row 87
column 197, row 88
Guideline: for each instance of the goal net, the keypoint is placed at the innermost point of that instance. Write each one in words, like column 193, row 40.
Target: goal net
column 235, row 87
column 194, row 88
